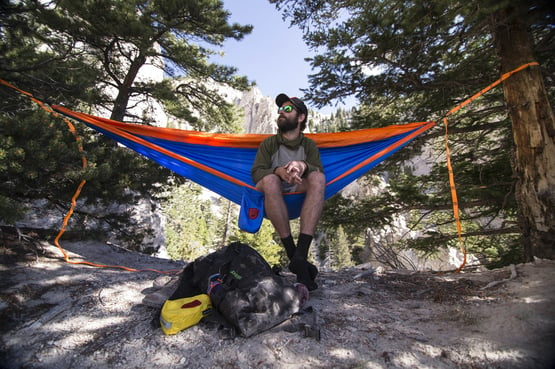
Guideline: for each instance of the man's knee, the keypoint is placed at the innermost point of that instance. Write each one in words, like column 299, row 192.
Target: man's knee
column 269, row 184
column 316, row 180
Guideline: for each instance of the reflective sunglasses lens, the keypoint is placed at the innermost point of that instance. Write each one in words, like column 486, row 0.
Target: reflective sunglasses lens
column 287, row 109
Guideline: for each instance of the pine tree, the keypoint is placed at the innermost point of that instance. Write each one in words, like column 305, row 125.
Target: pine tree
column 170, row 35
column 342, row 253
column 78, row 54
column 262, row 241
column 414, row 61
column 190, row 223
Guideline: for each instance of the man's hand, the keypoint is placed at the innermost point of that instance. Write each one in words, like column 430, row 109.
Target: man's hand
column 293, row 171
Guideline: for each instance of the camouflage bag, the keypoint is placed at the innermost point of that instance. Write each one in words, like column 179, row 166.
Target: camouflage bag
column 243, row 288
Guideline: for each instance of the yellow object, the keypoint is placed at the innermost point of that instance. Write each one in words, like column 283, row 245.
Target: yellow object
column 183, row 313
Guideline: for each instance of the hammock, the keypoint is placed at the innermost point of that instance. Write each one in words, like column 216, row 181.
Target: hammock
column 222, row 162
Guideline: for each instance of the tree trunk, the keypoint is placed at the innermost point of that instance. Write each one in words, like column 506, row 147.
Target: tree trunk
column 124, row 91
column 226, row 225
column 533, row 124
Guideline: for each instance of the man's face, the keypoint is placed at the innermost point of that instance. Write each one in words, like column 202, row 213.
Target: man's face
column 287, row 121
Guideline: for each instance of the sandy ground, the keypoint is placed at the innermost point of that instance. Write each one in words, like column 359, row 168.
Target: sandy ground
column 57, row 315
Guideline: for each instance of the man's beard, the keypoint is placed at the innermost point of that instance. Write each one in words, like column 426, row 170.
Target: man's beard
column 286, row 124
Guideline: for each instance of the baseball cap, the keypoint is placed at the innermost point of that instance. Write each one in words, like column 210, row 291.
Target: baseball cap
column 298, row 103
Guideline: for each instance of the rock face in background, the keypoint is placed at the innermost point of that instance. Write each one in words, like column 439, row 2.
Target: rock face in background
column 260, row 112
column 145, row 222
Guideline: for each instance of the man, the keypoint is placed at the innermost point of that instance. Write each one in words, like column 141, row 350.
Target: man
column 290, row 162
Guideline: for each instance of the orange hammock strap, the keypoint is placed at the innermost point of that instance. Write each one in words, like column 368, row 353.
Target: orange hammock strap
column 452, row 185
column 69, row 213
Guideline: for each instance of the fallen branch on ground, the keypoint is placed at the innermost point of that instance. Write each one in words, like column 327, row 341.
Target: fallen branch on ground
column 495, row 283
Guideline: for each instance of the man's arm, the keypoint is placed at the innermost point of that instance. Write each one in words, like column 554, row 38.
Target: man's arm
column 262, row 165
column 313, row 161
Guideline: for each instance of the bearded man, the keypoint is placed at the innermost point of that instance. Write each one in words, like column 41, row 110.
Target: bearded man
column 290, row 162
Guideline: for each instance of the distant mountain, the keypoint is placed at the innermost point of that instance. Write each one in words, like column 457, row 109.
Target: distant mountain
column 260, row 112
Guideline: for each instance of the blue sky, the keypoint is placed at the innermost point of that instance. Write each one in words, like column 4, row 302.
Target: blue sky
column 273, row 54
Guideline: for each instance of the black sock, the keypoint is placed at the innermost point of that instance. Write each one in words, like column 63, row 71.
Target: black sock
column 303, row 245
column 305, row 272
column 289, row 245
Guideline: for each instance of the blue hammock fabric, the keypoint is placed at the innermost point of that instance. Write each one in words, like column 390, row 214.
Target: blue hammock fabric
column 222, row 162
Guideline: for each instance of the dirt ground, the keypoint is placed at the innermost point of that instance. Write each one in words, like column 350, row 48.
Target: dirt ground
column 58, row 315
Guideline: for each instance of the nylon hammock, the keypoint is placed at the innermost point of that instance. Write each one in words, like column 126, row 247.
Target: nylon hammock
column 362, row 150
column 222, row 162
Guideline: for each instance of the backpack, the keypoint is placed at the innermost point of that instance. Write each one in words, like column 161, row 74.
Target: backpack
column 243, row 288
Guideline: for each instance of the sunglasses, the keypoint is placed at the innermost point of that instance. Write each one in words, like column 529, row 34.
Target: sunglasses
column 286, row 108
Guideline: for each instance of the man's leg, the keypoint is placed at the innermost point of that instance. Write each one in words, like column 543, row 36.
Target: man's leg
column 274, row 205
column 276, row 211
column 310, row 214
column 311, row 211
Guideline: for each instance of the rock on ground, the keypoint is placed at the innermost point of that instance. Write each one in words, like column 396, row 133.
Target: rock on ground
column 60, row 315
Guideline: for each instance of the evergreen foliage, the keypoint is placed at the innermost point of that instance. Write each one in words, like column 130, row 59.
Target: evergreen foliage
column 414, row 61
column 342, row 254
column 87, row 56
column 195, row 225
column 263, row 241
column 335, row 249
column 190, row 223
